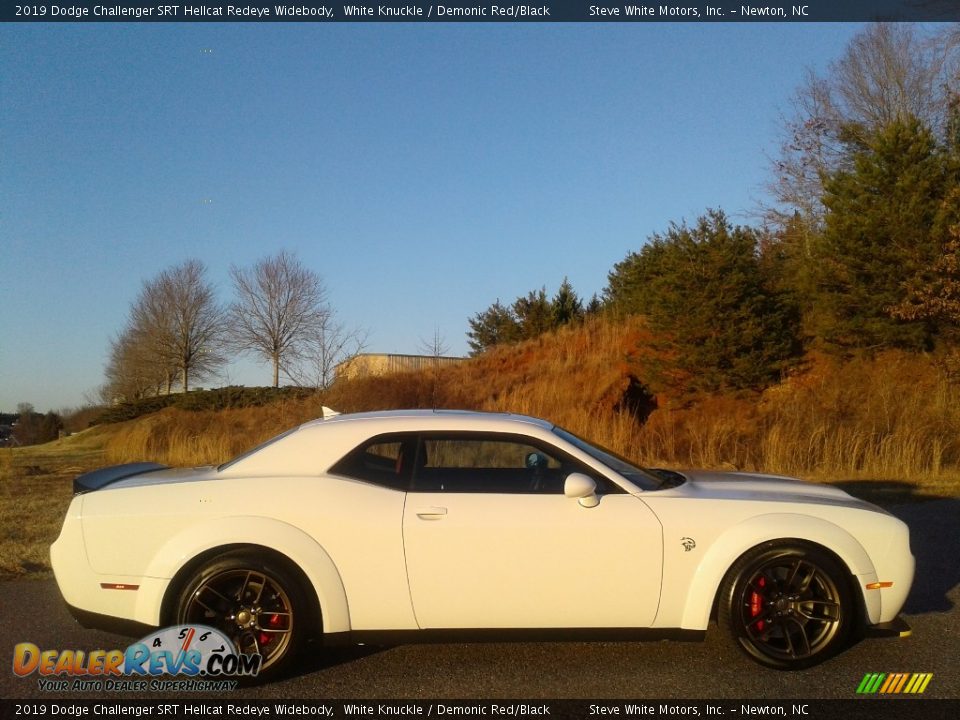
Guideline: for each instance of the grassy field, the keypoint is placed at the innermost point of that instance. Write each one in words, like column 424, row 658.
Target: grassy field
column 35, row 490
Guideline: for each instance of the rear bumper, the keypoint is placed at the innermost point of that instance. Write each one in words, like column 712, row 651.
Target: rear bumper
column 91, row 594
column 108, row 623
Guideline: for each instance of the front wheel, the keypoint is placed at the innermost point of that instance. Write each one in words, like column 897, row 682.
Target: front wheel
column 788, row 606
column 257, row 602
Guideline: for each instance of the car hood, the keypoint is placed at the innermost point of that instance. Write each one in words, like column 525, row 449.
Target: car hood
column 718, row 485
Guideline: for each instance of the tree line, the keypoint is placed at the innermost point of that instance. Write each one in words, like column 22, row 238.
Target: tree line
column 858, row 249
column 527, row 317
column 28, row 427
column 178, row 333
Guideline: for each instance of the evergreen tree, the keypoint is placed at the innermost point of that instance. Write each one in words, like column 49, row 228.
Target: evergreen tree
column 534, row 313
column 629, row 282
column 885, row 225
column 934, row 295
column 566, row 305
column 594, row 306
column 703, row 292
column 788, row 260
column 494, row 326
column 528, row 317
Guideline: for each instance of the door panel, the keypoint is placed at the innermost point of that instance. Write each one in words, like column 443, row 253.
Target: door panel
column 479, row 560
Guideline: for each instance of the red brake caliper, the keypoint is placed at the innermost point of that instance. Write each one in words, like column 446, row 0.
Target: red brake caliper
column 756, row 603
column 274, row 621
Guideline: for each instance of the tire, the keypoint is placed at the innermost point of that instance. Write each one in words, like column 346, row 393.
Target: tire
column 256, row 600
column 787, row 605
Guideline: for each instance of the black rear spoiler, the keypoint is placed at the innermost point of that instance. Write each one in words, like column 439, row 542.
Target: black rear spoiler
column 88, row 482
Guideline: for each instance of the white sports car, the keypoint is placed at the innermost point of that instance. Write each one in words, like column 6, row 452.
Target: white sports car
column 426, row 525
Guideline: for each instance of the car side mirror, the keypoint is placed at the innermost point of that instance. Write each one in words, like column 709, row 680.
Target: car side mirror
column 583, row 488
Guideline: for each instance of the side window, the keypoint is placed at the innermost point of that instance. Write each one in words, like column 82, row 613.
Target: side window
column 464, row 463
column 488, row 464
column 385, row 460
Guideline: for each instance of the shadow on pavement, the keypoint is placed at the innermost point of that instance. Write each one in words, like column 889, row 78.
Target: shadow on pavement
column 318, row 657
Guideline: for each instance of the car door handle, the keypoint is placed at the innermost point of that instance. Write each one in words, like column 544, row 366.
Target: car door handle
column 431, row 513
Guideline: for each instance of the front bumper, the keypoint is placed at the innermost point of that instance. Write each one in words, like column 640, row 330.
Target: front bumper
column 897, row 627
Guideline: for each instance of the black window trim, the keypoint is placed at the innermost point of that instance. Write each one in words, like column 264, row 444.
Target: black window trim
column 605, row 486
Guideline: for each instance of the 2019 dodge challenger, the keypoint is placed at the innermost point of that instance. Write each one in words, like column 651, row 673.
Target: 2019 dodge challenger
column 409, row 525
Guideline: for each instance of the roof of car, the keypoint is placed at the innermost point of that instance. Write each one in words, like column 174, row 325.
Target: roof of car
column 464, row 417
column 317, row 444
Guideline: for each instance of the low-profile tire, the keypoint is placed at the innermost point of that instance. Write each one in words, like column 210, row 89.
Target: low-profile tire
column 788, row 605
column 256, row 600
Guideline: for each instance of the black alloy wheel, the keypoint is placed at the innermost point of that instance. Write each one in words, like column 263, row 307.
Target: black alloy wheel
column 788, row 606
column 259, row 604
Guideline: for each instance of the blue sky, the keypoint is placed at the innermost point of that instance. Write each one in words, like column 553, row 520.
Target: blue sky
column 423, row 171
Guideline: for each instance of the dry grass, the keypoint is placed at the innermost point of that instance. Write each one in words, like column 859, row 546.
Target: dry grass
column 892, row 417
column 891, row 423
column 35, row 490
column 184, row 438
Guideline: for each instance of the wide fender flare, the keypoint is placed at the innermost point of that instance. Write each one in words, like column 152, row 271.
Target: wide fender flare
column 740, row 538
column 303, row 550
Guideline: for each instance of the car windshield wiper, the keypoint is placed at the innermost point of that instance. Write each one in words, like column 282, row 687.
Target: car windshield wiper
column 668, row 478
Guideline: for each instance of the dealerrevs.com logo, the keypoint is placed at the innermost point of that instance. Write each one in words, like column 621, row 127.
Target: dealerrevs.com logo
column 206, row 656
column 894, row 683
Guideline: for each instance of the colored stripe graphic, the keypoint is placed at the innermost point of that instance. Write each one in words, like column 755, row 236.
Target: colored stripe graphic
column 870, row 683
column 894, row 683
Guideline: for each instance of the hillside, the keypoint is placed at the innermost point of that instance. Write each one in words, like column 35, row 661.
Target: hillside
column 893, row 416
column 889, row 425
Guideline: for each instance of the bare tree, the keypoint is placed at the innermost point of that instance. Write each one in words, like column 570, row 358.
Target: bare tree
column 198, row 321
column 180, row 324
column 147, row 346
column 328, row 345
column 889, row 72
column 132, row 370
column 435, row 346
column 280, row 306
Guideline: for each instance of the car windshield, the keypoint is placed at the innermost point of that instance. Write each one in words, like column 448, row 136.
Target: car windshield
column 641, row 477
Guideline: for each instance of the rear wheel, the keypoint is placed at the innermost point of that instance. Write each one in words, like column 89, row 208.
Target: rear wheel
column 258, row 602
column 787, row 605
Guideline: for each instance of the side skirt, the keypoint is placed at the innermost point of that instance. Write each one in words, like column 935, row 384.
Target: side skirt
column 132, row 628
column 486, row 635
